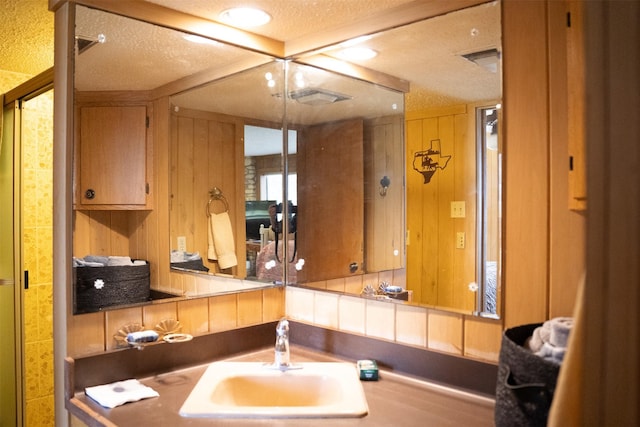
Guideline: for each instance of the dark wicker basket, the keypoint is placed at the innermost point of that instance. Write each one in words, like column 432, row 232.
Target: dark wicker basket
column 526, row 382
column 97, row 288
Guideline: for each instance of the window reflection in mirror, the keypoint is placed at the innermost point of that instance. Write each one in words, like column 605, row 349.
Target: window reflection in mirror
column 489, row 209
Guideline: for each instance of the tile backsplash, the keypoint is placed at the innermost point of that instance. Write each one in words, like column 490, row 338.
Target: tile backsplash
column 396, row 321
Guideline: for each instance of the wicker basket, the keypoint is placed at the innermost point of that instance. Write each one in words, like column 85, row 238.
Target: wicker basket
column 97, row 288
column 526, row 382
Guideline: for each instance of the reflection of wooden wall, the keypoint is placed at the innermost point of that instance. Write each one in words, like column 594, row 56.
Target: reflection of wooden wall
column 206, row 152
column 437, row 272
column 383, row 215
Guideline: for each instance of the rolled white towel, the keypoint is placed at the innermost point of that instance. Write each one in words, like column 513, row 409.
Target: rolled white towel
column 560, row 329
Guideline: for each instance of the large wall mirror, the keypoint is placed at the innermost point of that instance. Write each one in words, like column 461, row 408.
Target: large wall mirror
column 392, row 164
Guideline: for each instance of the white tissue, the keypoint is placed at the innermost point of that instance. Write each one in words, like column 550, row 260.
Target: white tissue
column 119, row 393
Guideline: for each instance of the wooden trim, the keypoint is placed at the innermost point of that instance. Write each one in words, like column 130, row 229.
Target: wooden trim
column 526, row 164
column 404, row 14
column 356, row 71
column 35, row 84
column 163, row 16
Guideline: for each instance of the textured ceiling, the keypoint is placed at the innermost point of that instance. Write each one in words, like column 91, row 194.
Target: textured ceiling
column 291, row 19
column 426, row 55
column 26, row 36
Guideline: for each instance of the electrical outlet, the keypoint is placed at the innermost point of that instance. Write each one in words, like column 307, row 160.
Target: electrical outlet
column 460, row 240
column 182, row 244
column 458, row 209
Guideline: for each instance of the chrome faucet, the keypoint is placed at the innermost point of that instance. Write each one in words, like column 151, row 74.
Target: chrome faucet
column 282, row 360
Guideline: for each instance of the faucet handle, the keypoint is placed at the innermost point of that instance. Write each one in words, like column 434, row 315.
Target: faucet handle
column 283, row 327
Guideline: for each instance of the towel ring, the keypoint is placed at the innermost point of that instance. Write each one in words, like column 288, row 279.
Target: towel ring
column 216, row 195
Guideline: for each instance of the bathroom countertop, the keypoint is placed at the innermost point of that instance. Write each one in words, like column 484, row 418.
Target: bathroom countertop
column 394, row 400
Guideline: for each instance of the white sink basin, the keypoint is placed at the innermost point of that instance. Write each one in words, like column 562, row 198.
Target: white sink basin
column 253, row 390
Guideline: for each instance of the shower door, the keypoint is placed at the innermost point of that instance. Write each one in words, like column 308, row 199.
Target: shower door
column 10, row 279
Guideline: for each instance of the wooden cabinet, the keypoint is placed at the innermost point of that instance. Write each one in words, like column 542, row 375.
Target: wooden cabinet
column 576, row 106
column 112, row 164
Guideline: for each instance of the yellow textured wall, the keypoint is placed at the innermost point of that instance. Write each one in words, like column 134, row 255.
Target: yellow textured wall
column 37, row 137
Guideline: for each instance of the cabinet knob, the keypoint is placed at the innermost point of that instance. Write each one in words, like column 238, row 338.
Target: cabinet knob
column 90, row 194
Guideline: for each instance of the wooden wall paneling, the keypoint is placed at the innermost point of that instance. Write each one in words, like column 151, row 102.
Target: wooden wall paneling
column 119, row 235
column 85, row 334
column 250, row 308
column 430, row 209
column 414, row 237
column 331, row 285
column 465, row 189
column 482, row 338
column 172, row 179
column 116, row 320
column 153, row 314
column 223, row 174
column 198, row 232
column 526, row 196
column 223, row 312
column 567, row 262
column 273, row 304
column 445, row 178
column 444, row 331
column 176, row 286
column 353, row 284
column 193, row 315
column 182, row 181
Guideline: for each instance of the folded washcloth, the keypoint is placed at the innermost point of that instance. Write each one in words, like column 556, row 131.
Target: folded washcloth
column 181, row 256
column 220, row 239
column 104, row 260
column 119, row 260
column 80, row 262
column 119, row 393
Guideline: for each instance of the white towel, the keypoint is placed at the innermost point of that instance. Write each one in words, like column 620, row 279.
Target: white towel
column 222, row 247
column 119, row 393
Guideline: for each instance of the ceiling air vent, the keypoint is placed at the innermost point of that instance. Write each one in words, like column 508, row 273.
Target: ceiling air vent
column 487, row 59
column 315, row 96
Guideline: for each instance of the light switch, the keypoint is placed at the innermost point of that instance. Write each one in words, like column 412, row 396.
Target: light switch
column 458, row 209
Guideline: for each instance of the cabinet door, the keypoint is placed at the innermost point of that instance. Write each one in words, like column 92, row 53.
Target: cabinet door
column 576, row 107
column 113, row 156
column 330, row 217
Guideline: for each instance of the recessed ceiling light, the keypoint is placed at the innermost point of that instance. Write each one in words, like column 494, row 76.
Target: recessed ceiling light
column 245, row 17
column 357, row 53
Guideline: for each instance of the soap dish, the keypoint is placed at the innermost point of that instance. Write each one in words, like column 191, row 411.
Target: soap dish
column 173, row 338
